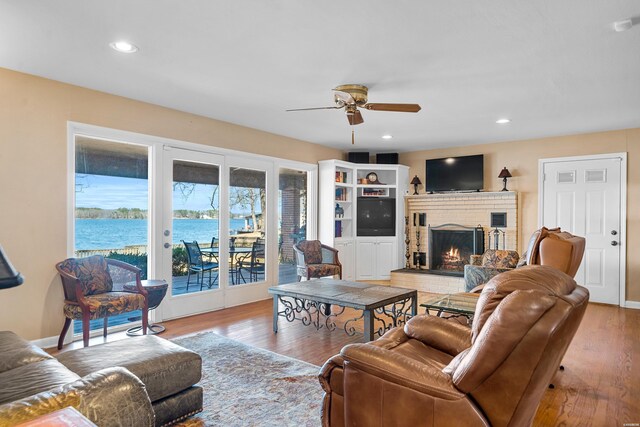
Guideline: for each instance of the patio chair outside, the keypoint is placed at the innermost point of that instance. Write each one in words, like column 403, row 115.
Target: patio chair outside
column 198, row 265
column 255, row 265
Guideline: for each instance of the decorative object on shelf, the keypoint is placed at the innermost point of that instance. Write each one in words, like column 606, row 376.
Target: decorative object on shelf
column 418, row 249
column 9, row 277
column 372, row 178
column 339, row 211
column 504, row 174
column 407, row 242
column 374, row 192
column 415, row 182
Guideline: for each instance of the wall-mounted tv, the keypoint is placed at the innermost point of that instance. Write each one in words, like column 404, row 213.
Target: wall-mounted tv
column 376, row 216
column 463, row 173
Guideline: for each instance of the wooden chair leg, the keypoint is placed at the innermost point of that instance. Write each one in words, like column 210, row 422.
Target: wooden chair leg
column 85, row 329
column 65, row 329
column 104, row 327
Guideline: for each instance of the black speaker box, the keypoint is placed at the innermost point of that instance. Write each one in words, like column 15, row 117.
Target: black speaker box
column 387, row 158
column 358, row 157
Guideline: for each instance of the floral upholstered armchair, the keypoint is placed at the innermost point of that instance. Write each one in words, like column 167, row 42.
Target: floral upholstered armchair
column 491, row 263
column 94, row 289
column 316, row 260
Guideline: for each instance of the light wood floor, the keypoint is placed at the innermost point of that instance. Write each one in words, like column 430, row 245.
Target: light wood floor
column 600, row 386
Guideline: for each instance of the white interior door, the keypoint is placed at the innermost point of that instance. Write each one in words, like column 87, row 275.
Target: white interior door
column 584, row 197
column 193, row 193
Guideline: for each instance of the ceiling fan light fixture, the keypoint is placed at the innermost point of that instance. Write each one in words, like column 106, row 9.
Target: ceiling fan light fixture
column 123, row 46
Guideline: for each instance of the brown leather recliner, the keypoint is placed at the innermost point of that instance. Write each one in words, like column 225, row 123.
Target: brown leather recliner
column 547, row 246
column 437, row 372
column 556, row 248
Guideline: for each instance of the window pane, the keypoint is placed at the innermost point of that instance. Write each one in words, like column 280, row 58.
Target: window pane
column 111, row 199
column 196, row 205
column 292, row 210
column 247, row 210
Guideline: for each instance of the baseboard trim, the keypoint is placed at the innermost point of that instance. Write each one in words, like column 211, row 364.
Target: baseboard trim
column 50, row 342
column 632, row 304
column 47, row 342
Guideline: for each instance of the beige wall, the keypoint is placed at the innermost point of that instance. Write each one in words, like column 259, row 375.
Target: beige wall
column 521, row 158
column 33, row 149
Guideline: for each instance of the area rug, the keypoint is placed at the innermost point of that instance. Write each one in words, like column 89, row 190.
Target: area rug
column 246, row 386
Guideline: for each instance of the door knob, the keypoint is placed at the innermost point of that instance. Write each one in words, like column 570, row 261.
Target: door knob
column 614, row 232
column 167, row 245
column 614, row 243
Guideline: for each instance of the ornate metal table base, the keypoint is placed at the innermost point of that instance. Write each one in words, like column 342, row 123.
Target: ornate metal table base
column 313, row 313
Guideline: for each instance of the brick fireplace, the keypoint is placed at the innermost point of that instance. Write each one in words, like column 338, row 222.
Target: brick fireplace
column 471, row 210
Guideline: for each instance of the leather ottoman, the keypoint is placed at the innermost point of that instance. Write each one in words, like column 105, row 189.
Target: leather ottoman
column 168, row 371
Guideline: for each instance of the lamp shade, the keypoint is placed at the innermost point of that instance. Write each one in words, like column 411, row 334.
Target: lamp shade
column 9, row 277
column 504, row 173
column 415, row 181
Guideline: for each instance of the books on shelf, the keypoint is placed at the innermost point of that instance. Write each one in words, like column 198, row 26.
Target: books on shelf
column 341, row 176
column 341, row 194
column 338, row 230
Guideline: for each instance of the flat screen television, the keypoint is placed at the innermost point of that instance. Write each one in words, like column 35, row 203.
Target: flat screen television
column 376, row 216
column 463, row 173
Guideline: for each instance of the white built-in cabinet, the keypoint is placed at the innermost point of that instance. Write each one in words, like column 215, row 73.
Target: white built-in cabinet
column 344, row 184
column 347, row 255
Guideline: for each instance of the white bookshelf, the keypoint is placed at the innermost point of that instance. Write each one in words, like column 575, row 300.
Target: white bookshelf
column 343, row 183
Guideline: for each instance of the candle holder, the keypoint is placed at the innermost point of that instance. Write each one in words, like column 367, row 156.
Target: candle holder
column 407, row 242
column 419, row 266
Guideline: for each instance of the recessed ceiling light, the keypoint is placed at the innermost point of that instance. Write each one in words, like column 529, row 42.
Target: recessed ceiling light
column 123, row 46
column 386, row 136
column 503, row 121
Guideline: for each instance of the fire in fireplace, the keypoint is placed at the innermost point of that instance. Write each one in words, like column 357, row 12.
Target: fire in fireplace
column 451, row 247
column 451, row 259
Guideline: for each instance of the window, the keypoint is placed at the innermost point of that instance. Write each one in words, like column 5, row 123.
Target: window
column 111, row 207
column 292, row 219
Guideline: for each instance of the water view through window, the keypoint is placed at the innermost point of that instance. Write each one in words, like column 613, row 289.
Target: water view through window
column 111, row 199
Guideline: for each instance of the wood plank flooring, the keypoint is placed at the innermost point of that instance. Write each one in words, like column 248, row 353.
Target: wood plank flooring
column 600, row 386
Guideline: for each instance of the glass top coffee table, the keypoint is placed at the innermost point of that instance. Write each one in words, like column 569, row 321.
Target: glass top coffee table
column 454, row 305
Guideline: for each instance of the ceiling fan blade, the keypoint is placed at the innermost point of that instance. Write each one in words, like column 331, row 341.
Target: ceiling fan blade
column 401, row 108
column 355, row 118
column 314, row 108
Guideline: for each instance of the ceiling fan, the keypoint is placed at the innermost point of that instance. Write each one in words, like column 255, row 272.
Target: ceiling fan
column 351, row 97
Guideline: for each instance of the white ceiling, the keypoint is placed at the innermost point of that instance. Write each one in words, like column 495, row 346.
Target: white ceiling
column 554, row 67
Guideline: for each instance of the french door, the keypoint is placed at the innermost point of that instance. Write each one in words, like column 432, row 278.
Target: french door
column 192, row 223
column 215, row 231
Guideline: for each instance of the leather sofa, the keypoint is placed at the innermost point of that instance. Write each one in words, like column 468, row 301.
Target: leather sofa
column 438, row 372
column 547, row 246
column 139, row 382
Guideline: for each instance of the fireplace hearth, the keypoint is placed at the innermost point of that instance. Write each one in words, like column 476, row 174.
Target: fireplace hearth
column 451, row 247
